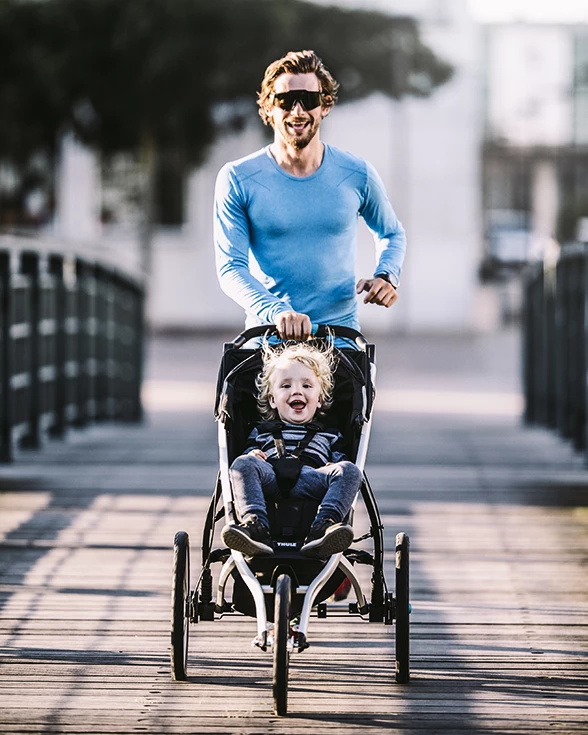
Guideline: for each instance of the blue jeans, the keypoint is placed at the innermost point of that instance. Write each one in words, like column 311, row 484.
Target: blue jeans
column 254, row 480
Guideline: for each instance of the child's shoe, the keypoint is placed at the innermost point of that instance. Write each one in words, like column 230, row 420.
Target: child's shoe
column 250, row 538
column 327, row 537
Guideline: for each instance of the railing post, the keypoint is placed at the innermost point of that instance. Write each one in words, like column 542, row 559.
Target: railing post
column 72, row 342
column 138, row 326
column 105, row 408
column 527, row 347
column 561, row 346
column 29, row 267
column 534, row 348
column 56, row 269
column 549, row 331
column 6, row 453
column 579, row 378
column 585, row 344
column 24, row 403
column 86, row 305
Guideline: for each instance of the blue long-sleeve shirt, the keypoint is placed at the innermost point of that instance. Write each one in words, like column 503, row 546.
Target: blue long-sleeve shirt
column 289, row 243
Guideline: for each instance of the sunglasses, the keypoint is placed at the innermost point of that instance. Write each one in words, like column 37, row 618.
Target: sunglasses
column 287, row 100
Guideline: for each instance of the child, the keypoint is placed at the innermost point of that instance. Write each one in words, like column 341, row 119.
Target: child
column 295, row 386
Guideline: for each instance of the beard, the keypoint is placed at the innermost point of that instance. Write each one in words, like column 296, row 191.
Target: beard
column 299, row 142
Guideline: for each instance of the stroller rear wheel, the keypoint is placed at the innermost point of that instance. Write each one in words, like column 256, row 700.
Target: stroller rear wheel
column 402, row 610
column 280, row 647
column 179, row 599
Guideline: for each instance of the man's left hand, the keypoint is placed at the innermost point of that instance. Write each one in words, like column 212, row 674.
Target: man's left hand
column 379, row 291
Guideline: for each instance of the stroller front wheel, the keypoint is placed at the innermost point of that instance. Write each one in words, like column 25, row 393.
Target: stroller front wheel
column 179, row 599
column 280, row 646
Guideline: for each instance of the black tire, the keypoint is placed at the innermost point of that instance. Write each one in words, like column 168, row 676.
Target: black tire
column 179, row 596
column 402, row 610
column 280, row 647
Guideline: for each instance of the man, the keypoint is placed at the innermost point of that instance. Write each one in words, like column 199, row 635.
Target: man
column 293, row 206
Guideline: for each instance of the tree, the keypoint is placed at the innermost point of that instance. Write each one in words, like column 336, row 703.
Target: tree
column 130, row 75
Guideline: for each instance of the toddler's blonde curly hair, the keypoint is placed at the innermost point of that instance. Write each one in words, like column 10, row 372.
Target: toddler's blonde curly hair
column 320, row 360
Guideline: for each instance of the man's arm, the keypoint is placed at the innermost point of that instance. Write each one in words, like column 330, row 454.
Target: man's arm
column 390, row 240
column 232, row 244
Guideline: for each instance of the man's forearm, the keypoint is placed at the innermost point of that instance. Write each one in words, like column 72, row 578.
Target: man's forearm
column 250, row 294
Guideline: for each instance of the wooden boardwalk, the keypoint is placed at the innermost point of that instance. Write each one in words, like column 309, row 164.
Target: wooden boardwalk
column 498, row 520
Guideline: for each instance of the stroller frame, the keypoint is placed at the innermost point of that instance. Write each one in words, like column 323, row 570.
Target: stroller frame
column 288, row 577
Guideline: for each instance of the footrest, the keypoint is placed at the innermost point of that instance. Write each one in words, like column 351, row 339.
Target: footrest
column 359, row 556
column 219, row 555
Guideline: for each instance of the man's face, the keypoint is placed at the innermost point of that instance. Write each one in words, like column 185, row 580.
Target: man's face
column 297, row 127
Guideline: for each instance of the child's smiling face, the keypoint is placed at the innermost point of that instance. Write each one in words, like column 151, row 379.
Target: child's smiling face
column 295, row 392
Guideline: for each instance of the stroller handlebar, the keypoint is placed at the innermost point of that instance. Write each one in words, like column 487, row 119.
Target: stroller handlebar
column 320, row 331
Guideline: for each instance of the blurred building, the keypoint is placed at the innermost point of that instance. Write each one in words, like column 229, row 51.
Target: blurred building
column 479, row 174
column 535, row 156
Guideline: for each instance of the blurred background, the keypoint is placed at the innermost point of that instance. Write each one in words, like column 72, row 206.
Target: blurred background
column 117, row 115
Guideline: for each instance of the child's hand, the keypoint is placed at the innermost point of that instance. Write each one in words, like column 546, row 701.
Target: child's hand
column 259, row 454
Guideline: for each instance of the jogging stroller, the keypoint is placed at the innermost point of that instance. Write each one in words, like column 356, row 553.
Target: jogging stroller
column 283, row 590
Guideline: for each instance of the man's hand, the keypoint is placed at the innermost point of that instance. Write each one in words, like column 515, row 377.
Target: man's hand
column 379, row 291
column 292, row 325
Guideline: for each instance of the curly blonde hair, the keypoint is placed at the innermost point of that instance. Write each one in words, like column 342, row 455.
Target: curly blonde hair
column 296, row 62
column 320, row 361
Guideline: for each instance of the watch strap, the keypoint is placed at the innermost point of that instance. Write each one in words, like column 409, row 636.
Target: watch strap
column 387, row 277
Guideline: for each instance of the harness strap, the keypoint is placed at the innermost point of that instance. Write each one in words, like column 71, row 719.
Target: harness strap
column 299, row 448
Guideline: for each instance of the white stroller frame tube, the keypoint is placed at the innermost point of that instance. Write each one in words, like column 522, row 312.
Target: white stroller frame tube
column 314, row 588
column 257, row 593
column 223, row 456
column 227, row 568
column 247, row 575
column 346, row 567
column 365, row 432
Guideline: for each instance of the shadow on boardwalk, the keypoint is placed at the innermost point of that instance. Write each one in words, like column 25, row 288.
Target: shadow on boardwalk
column 497, row 516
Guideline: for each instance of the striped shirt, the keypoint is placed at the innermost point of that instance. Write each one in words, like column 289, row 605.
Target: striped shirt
column 325, row 446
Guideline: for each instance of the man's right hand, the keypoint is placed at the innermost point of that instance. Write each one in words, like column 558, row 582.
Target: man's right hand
column 292, row 325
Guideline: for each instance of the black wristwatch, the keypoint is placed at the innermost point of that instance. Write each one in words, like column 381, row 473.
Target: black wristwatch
column 386, row 277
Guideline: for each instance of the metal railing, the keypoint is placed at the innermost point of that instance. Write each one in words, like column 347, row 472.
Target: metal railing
column 555, row 343
column 71, row 346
